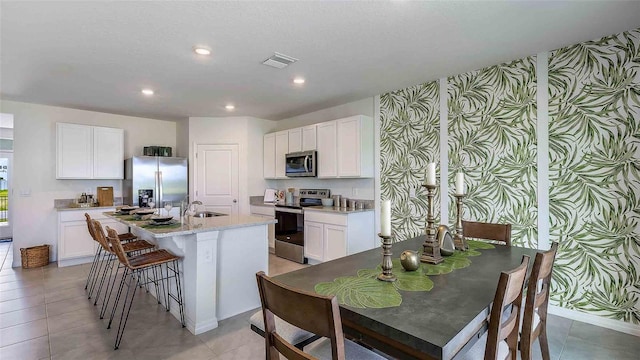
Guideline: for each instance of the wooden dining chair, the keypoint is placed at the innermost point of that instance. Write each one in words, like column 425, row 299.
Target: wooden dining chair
column 500, row 341
column 315, row 313
column 534, row 320
column 487, row 231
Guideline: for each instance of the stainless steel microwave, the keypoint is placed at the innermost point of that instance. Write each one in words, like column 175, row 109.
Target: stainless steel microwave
column 301, row 164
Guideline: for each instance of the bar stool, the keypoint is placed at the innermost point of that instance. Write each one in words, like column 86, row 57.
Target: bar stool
column 93, row 272
column 133, row 268
column 135, row 247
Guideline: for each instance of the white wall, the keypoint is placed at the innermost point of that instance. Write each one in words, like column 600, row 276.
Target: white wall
column 351, row 188
column 34, row 170
column 247, row 132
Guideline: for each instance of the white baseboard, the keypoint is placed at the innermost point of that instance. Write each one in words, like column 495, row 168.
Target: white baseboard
column 616, row 325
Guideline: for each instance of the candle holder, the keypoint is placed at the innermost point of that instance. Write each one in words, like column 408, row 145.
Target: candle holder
column 431, row 247
column 387, row 265
column 458, row 240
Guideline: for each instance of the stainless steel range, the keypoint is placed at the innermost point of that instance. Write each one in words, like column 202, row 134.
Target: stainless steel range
column 290, row 226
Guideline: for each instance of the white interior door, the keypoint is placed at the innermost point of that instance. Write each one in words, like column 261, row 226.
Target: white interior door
column 216, row 179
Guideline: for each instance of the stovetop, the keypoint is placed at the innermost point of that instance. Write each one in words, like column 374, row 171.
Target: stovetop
column 308, row 197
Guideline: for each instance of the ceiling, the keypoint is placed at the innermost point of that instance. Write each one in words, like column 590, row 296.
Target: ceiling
column 95, row 55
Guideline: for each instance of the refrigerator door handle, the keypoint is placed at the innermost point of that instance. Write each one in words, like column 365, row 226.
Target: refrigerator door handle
column 160, row 188
column 156, row 194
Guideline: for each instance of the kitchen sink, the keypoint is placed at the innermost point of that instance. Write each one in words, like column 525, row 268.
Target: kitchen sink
column 206, row 214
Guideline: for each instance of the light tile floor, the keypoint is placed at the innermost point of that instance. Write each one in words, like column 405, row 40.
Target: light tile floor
column 45, row 314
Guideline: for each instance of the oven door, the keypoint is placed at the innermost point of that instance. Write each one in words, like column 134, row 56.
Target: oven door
column 300, row 164
column 290, row 226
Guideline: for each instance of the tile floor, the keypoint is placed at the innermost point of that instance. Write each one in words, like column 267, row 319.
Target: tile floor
column 45, row 314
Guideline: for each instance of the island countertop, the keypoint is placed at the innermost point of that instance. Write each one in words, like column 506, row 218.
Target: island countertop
column 191, row 225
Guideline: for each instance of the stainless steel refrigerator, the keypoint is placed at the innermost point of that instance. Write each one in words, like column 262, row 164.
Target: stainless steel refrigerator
column 155, row 178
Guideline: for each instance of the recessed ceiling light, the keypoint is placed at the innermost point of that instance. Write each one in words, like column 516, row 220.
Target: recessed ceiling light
column 298, row 80
column 201, row 50
column 147, row 91
column 230, row 107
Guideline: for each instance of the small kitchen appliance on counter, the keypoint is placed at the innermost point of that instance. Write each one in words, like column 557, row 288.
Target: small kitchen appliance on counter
column 290, row 226
column 270, row 195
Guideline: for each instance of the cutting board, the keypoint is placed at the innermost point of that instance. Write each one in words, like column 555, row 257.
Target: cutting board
column 105, row 195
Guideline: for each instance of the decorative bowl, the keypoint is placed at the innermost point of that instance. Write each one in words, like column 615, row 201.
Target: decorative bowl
column 161, row 219
column 144, row 211
column 127, row 209
column 327, row 202
column 410, row 260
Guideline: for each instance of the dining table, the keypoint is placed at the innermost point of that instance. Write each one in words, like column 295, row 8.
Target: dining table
column 436, row 312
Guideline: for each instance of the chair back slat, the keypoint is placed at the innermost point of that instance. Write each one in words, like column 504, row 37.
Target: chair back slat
column 116, row 245
column 508, row 296
column 99, row 236
column 537, row 303
column 488, row 231
column 315, row 313
column 90, row 226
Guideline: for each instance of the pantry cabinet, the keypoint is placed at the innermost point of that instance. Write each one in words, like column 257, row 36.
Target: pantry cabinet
column 332, row 235
column 89, row 152
column 75, row 245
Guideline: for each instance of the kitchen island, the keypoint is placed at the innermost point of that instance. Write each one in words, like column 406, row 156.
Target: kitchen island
column 220, row 257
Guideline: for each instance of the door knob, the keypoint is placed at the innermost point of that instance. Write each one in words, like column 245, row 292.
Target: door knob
column 235, row 201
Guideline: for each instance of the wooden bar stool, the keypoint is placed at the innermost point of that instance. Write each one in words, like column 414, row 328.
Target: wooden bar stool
column 135, row 247
column 534, row 320
column 501, row 339
column 94, row 271
column 315, row 313
column 487, row 231
column 134, row 266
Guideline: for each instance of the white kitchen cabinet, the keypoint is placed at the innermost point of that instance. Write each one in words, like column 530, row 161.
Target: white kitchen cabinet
column 75, row 245
column 295, row 140
column 89, row 152
column 282, row 148
column 345, row 148
column 269, row 156
column 327, row 165
column 267, row 212
column 313, row 240
column 332, row 235
column 309, row 138
column 108, row 153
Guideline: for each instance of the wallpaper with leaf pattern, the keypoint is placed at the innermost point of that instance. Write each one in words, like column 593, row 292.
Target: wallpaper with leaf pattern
column 594, row 171
column 492, row 140
column 409, row 140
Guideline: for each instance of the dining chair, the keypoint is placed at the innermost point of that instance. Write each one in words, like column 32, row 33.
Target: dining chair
column 135, row 247
column 487, row 231
column 293, row 335
column 500, row 341
column 534, row 320
column 315, row 313
column 134, row 266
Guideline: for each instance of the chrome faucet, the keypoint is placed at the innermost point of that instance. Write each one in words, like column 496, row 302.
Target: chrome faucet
column 195, row 202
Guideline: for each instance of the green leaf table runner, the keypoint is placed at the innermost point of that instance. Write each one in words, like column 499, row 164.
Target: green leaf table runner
column 365, row 291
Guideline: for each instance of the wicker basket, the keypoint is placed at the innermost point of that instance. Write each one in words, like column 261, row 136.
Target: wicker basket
column 35, row 256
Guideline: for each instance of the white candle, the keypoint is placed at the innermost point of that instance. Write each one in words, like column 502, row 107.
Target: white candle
column 385, row 218
column 459, row 184
column 431, row 174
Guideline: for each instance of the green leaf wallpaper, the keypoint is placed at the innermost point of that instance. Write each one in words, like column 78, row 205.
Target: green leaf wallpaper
column 409, row 140
column 594, row 175
column 492, row 140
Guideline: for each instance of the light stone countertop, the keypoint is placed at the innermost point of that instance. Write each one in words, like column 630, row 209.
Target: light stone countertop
column 192, row 225
column 67, row 208
column 335, row 210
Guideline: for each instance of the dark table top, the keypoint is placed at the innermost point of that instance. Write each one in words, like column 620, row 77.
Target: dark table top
column 436, row 323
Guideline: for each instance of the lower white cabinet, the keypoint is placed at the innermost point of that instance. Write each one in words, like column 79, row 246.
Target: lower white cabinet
column 332, row 235
column 75, row 245
column 268, row 212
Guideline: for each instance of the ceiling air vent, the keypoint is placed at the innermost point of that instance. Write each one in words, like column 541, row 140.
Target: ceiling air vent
column 279, row 61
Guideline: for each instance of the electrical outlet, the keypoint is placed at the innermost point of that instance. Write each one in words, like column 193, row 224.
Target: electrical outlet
column 412, row 192
column 207, row 256
column 354, row 191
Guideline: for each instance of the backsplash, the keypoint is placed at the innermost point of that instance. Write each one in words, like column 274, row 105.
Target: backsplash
column 70, row 203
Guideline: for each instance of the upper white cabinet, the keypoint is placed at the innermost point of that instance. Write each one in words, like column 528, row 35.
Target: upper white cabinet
column 309, row 138
column 282, row 148
column 345, row 148
column 89, row 152
column 295, row 140
column 269, row 156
